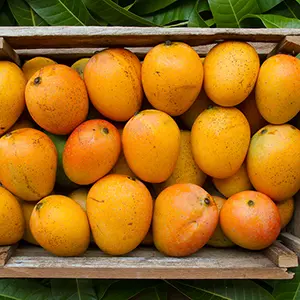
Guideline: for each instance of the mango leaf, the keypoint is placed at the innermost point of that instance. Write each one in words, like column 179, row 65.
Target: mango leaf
column 179, row 11
column 6, row 17
column 266, row 5
column 228, row 13
column 288, row 289
column 195, row 19
column 73, row 289
column 102, row 286
column 20, row 289
column 114, row 14
column 143, row 7
column 160, row 292
column 274, row 21
column 298, row 56
column 285, row 9
column 63, row 12
column 24, row 14
column 210, row 22
column 203, row 5
column 221, row 289
column 126, row 289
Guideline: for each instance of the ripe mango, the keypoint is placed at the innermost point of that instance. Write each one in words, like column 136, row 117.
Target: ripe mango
column 273, row 161
column 28, row 160
column 230, row 72
column 151, row 142
column 220, row 140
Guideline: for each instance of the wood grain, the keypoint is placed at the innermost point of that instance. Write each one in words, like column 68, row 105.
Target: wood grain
column 5, row 253
column 63, row 54
column 281, row 256
column 291, row 241
column 78, row 37
column 8, row 53
column 289, row 45
column 208, row 263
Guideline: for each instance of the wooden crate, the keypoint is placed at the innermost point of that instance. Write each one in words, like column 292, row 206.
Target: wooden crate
column 67, row 44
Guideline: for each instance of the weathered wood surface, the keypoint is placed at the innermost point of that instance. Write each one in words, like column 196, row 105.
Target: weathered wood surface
column 281, row 256
column 78, row 37
column 290, row 44
column 208, row 263
column 5, row 254
column 291, row 241
column 7, row 53
column 77, row 53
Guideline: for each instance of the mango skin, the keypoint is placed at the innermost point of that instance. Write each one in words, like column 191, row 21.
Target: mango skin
column 151, row 142
column 172, row 76
column 60, row 226
column 220, row 139
column 236, row 183
column 28, row 160
column 113, row 81
column 286, row 210
column 249, row 108
column 186, row 169
column 57, row 99
column 91, row 151
column 273, row 161
column 35, row 64
column 80, row 196
column 27, row 208
column 201, row 103
column 185, row 217
column 119, row 209
column 12, row 221
column 219, row 239
column 278, row 88
column 79, row 65
column 12, row 99
column 230, row 72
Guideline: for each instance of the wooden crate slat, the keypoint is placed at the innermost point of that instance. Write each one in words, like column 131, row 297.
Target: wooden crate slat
column 76, row 37
column 8, row 53
column 5, row 253
column 290, row 44
column 208, row 263
column 281, row 256
column 77, row 53
column 291, row 241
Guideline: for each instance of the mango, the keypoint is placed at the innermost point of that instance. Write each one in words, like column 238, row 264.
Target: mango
column 172, row 75
column 119, row 209
column 230, row 72
column 220, row 140
column 28, row 160
column 151, row 143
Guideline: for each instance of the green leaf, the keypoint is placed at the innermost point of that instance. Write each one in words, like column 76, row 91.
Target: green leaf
column 298, row 56
column 24, row 14
column 73, row 289
column 160, row 292
column 228, row 13
column 126, row 289
column 291, row 9
column 288, row 289
column 179, row 11
column 143, row 7
column 266, row 5
column 6, row 17
column 195, row 19
column 221, row 289
column 20, row 289
column 203, row 6
column 114, row 14
column 102, row 286
column 274, row 21
column 2, row 3
column 63, row 12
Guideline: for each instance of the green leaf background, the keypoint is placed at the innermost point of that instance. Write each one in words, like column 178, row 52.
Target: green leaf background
column 171, row 13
